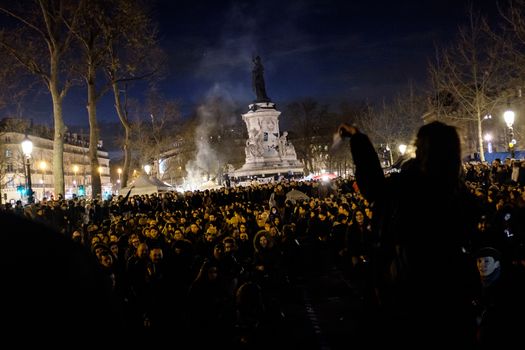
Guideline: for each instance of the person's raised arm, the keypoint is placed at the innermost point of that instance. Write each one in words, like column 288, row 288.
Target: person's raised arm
column 369, row 174
column 125, row 199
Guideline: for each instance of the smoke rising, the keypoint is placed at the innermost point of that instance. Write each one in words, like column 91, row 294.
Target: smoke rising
column 216, row 113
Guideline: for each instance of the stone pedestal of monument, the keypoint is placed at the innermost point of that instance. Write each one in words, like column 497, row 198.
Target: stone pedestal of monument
column 268, row 152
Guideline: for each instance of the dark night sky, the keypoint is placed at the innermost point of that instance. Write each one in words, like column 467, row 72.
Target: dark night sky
column 326, row 49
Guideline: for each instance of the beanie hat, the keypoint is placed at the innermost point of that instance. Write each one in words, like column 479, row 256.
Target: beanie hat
column 488, row 251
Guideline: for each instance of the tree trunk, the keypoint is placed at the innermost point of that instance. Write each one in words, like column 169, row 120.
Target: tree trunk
column 96, row 186
column 480, row 139
column 127, row 137
column 58, row 140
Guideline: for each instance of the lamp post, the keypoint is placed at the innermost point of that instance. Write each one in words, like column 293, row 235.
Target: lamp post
column 75, row 171
column 488, row 139
column 390, row 156
column 119, row 172
column 402, row 149
column 508, row 116
column 27, row 149
column 43, row 166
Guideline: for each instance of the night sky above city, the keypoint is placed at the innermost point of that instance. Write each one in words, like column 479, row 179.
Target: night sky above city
column 330, row 50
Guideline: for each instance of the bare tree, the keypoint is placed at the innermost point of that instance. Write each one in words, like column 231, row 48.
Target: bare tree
column 468, row 78
column 94, row 50
column 155, row 125
column 16, row 84
column 307, row 120
column 40, row 43
column 133, row 55
column 513, row 35
column 394, row 122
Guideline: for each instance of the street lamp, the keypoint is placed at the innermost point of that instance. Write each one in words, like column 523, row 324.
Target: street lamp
column 27, row 149
column 75, row 171
column 402, row 149
column 147, row 168
column 43, row 166
column 119, row 172
column 488, row 139
column 508, row 116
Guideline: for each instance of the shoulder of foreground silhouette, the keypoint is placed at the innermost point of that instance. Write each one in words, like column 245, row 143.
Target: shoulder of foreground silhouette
column 51, row 286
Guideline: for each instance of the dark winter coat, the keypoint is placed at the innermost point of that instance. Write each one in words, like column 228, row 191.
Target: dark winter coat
column 424, row 274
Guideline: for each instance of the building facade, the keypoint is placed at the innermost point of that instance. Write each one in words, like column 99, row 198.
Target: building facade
column 77, row 168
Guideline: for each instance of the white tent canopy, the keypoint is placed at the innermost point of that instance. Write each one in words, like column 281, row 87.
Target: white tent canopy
column 146, row 185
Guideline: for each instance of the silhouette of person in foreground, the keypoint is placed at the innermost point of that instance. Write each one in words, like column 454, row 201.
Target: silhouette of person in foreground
column 424, row 216
column 258, row 81
column 53, row 292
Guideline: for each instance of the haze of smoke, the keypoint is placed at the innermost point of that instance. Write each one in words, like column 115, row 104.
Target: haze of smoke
column 205, row 166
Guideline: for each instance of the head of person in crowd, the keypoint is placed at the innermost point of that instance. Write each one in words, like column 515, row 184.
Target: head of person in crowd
column 114, row 248
column 178, row 235
column 438, row 153
column 156, row 255
column 244, row 236
column 359, row 217
column 106, row 259
column 134, row 241
column 218, row 251
column 488, row 262
column 229, row 245
column 76, row 236
column 99, row 248
column 95, row 240
column 142, row 251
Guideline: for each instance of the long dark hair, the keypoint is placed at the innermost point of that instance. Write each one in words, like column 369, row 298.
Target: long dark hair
column 438, row 153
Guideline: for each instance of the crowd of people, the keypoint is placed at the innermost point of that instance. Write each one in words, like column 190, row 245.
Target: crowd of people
column 437, row 251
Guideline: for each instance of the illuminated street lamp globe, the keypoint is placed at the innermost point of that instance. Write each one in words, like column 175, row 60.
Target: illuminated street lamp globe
column 147, row 168
column 402, row 148
column 508, row 116
column 27, row 147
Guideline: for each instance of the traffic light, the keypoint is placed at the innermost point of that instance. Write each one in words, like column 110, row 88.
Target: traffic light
column 81, row 190
column 21, row 189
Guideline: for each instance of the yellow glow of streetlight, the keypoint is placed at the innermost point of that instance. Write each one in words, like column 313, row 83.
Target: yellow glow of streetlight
column 100, row 170
column 402, row 148
column 75, row 168
column 119, row 171
column 27, row 147
column 43, row 165
column 487, row 137
column 508, row 116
